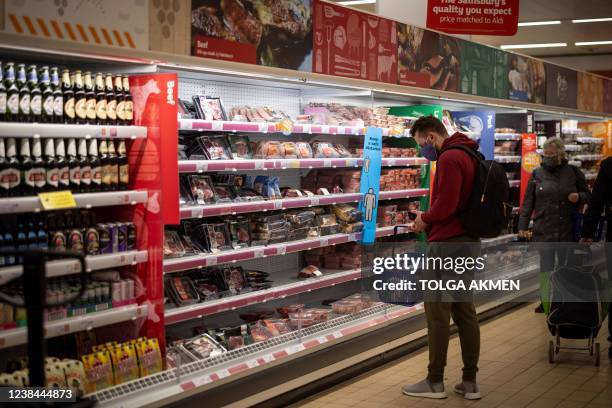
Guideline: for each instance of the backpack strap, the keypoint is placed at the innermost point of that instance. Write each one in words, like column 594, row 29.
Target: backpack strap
column 476, row 155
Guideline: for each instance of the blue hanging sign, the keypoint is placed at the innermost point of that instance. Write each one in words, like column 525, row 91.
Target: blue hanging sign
column 370, row 182
column 482, row 122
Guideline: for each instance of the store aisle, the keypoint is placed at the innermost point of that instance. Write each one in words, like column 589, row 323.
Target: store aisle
column 514, row 373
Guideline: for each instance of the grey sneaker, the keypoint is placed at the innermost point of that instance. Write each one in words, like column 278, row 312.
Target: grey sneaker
column 425, row 389
column 468, row 389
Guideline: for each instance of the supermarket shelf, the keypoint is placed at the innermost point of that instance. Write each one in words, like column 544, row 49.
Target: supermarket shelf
column 507, row 136
column 232, row 208
column 200, row 310
column 590, row 176
column 15, row 337
column 596, row 140
column 71, row 266
column 508, row 159
column 200, row 166
column 85, row 200
column 172, row 383
column 573, row 148
column 172, row 265
column 502, row 239
column 575, row 163
column 11, row 129
column 271, row 127
column 514, row 183
column 587, row 157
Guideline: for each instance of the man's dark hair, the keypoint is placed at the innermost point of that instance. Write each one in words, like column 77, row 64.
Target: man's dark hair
column 426, row 124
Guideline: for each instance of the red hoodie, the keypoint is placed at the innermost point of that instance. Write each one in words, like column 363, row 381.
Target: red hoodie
column 453, row 182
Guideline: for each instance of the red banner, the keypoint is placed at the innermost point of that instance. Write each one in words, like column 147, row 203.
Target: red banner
column 529, row 161
column 484, row 17
column 352, row 44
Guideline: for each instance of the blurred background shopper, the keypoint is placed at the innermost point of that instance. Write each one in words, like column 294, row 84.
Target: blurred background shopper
column 555, row 193
column 453, row 183
column 601, row 202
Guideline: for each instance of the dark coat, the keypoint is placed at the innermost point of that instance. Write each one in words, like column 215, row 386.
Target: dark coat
column 601, row 199
column 546, row 197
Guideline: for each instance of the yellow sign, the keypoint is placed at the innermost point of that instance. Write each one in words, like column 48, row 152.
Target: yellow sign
column 57, row 200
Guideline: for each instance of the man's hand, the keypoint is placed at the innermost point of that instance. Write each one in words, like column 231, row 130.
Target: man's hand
column 419, row 224
column 573, row 197
column 523, row 234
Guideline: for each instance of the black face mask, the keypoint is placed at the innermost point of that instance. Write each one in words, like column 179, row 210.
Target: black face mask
column 550, row 162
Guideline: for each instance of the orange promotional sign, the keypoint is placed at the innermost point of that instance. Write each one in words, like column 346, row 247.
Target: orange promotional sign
column 529, row 161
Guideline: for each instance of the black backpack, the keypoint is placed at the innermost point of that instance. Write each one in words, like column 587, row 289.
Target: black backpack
column 485, row 214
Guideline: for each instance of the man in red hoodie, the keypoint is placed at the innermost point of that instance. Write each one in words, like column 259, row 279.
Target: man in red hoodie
column 452, row 185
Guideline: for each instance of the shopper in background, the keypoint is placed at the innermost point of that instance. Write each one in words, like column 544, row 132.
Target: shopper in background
column 554, row 194
column 601, row 200
column 452, row 187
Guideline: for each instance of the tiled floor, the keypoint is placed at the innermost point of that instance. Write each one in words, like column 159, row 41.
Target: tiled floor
column 514, row 373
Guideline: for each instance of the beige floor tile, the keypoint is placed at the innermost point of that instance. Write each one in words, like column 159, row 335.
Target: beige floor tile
column 514, row 373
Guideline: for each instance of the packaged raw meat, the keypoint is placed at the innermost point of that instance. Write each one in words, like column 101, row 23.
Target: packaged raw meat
column 290, row 150
column 241, row 149
column 309, row 271
column 347, row 213
column 285, row 310
column 304, row 150
column 269, row 150
column 324, row 150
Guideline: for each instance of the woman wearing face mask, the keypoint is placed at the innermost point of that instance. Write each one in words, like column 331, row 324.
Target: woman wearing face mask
column 554, row 194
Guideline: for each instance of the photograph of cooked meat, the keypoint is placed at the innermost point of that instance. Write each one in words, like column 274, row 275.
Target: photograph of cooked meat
column 281, row 31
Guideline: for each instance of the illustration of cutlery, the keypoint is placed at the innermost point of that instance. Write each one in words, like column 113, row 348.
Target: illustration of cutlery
column 343, row 70
column 341, row 59
column 328, row 37
column 330, row 12
column 363, row 57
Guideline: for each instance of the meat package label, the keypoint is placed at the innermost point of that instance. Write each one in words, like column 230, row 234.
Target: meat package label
column 352, row 44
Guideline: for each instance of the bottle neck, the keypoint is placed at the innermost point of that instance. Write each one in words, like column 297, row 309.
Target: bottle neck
column 25, row 147
column 49, row 148
column 93, row 148
column 71, row 147
column 59, row 148
column 11, row 148
column 82, row 147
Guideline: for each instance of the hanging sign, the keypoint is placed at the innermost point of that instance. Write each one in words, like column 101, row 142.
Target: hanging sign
column 370, row 182
column 484, row 17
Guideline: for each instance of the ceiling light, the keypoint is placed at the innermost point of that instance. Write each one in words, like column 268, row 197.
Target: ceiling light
column 591, row 20
column 520, row 46
column 593, row 43
column 356, row 2
column 539, row 23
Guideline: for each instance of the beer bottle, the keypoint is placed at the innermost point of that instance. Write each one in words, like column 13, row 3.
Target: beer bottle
column 32, row 236
column 94, row 163
column 84, row 165
column 12, row 94
column 35, row 95
column 24, row 94
column 68, row 97
column 90, row 96
column 105, row 166
column 38, row 172
column 47, row 95
column 124, row 176
column 111, row 101
column 13, row 172
column 51, row 166
column 42, row 235
column 73, row 166
column 57, row 239
column 27, row 185
column 114, row 165
column 58, row 98
column 73, row 232
column 4, row 172
column 2, row 96
column 80, row 101
column 129, row 105
column 100, row 100
column 120, row 101
column 62, row 165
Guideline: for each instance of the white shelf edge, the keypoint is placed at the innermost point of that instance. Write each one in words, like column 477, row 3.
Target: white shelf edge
column 15, row 205
column 45, row 130
column 15, row 337
column 71, row 267
column 213, row 210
